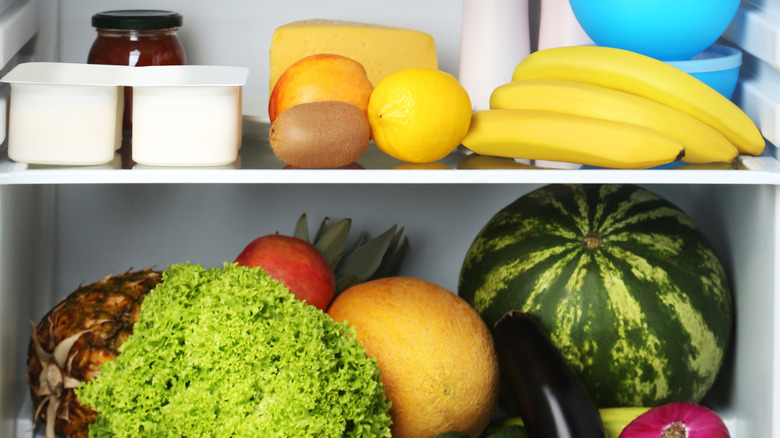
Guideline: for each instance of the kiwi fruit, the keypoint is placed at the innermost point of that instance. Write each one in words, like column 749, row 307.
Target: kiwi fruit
column 325, row 134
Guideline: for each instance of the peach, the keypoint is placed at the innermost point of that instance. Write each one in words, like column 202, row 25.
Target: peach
column 321, row 77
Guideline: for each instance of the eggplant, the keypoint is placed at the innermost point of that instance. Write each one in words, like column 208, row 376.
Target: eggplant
column 552, row 402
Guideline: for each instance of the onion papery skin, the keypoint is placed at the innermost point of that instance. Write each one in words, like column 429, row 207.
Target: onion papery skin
column 698, row 422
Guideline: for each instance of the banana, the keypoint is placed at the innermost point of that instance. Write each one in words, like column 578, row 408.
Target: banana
column 703, row 143
column 648, row 77
column 547, row 135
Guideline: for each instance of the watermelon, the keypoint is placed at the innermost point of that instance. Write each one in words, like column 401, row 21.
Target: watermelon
column 625, row 283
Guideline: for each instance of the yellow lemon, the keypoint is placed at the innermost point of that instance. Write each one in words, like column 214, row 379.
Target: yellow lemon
column 419, row 115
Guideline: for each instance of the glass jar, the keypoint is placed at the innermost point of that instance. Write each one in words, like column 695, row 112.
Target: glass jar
column 136, row 38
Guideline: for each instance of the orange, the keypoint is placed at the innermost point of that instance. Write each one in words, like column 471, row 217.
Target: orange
column 434, row 352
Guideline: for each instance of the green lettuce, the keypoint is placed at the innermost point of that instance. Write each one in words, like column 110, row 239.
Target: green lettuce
column 229, row 352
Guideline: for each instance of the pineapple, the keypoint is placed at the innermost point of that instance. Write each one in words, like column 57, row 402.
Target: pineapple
column 74, row 339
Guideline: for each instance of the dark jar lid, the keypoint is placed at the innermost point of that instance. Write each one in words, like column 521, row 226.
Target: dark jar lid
column 137, row 19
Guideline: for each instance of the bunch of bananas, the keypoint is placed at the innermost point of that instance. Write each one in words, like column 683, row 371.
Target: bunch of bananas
column 609, row 107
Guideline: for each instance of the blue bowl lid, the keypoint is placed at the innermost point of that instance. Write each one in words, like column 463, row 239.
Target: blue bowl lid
column 716, row 58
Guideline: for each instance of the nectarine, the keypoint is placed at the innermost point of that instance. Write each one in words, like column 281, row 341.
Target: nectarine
column 320, row 77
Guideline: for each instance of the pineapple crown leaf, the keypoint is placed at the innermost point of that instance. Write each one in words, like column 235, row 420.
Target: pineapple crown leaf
column 365, row 259
column 345, row 282
column 302, row 228
column 391, row 264
column 332, row 241
column 322, row 229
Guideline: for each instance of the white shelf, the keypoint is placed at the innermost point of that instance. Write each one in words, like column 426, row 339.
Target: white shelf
column 258, row 165
column 394, row 176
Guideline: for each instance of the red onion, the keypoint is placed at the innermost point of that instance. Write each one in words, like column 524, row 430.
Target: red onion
column 677, row 420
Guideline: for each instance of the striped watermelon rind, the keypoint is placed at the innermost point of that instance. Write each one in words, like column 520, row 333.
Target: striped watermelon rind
column 628, row 287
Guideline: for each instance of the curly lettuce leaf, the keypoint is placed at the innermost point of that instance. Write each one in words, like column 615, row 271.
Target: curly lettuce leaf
column 232, row 353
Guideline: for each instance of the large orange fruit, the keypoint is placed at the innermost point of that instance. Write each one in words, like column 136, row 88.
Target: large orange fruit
column 435, row 354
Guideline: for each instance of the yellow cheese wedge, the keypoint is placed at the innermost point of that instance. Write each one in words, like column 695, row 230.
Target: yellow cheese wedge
column 381, row 49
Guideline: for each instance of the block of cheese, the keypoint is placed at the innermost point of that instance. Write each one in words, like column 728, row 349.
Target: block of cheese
column 381, row 49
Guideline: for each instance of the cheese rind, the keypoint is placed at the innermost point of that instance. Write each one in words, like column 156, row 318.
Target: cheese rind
column 382, row 50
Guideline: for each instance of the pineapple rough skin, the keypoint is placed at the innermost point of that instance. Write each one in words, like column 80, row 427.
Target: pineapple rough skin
column 74, row 338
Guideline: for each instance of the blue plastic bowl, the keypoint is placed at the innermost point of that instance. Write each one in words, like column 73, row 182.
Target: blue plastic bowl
column 669, row 30
column 718, row 67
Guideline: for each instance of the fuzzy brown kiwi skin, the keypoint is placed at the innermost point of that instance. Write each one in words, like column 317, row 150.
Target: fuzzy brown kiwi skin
column 325, row 134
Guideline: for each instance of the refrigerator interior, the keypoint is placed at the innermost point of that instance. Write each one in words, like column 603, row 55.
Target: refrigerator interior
column 60, row 228
column 56, row 237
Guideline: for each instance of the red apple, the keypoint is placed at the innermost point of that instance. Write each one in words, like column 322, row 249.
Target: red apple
column 296, row 263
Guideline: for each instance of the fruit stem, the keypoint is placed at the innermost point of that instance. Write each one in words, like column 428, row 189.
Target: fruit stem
column 591, row 241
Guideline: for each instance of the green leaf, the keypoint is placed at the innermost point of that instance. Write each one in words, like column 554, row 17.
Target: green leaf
column 360, row 241
column 365, row 260
column 345, row 282
column 321, row 230
column 302, row 228
column 332, row 241
column 391, row 264
column 396, row 239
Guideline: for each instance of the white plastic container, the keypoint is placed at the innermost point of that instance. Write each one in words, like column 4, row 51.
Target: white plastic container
column 62, row 114
column 62, row 124
column 192, row 118
column 70, row 114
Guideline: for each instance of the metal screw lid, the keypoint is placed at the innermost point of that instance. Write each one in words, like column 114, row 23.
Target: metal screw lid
column 136, row 19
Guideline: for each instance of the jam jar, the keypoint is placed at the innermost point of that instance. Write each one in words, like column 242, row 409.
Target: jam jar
column 136, row 38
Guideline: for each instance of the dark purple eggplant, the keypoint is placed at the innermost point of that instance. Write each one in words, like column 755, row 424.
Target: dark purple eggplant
column 551, row 400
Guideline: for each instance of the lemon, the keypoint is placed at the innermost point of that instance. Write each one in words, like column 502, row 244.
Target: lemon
column 419, row 115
